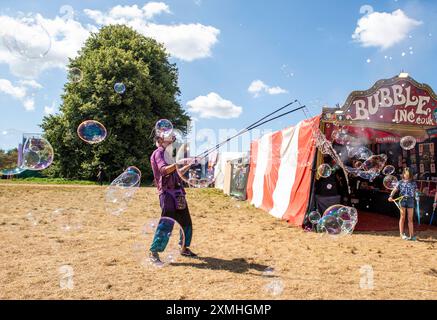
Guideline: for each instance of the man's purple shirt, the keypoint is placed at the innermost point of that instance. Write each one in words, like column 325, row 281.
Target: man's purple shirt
column 162, row 182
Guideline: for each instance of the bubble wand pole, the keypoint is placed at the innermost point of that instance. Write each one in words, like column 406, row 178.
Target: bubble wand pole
column 432, row 217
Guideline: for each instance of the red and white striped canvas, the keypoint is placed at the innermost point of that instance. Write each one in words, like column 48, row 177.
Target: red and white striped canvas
column 280, row 171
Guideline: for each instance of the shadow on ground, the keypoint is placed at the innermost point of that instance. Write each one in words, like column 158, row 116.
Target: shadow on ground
column 238, row 265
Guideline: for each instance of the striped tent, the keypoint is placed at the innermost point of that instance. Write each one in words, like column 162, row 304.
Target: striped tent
column 280, row 171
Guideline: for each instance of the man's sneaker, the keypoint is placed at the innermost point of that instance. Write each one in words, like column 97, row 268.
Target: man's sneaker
column 404, row 237
column 413, row 238
column 186, row 252
column 154, row 257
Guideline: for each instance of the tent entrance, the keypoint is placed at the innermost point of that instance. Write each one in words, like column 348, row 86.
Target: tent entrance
column 370, row 196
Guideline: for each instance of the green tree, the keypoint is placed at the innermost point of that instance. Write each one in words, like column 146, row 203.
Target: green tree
column 115, row 54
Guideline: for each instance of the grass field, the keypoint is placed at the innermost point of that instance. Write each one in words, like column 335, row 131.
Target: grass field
column 236, row 244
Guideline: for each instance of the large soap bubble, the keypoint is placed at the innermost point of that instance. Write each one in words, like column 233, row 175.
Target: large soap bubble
column 163, row 128
column 38, row 154
column 408, row 143
column 324, row 170
column 375, row 163
column 198, row 172
column 21, row 151
column 165, row 236
column 27, row 38
column 338, row 220
column 11, row 152
column 92, row 131
column 122, row 190
column 390, row 182
column 359, row 152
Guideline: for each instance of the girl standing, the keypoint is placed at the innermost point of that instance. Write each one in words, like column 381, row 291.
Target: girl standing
column 407, row 189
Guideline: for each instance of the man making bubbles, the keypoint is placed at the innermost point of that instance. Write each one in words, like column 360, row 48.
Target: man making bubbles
column 171, row 198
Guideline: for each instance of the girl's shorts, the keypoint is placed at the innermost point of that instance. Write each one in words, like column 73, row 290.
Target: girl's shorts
column 407, row 202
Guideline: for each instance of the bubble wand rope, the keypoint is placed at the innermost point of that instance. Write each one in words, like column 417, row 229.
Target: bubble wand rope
column 397, row 202
column 251, row 127
column 418, row 207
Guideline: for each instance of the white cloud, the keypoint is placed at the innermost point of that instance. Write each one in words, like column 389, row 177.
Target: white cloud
column 276, row 90
column 17, row 92
column 62, row 38
column 257, row 87
column 184, row 41
column 50, row 109
column 31, row 84
column 384, row 30
column 154, row 8
column 59, row 39
column 214, row 106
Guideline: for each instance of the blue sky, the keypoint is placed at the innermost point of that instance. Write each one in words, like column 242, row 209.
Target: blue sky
column 294, row 49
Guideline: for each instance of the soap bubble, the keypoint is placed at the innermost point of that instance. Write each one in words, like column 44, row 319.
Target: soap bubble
column 408, row 143
column 11, row 152
column 390, row 182
column 338, row 220
column 38, row 154
column 198, row 172
column 27, row 38
column 361, row 153
column 92, row 131
column 375, row 163
column 388, row 170
column 341, row 136
column 120, row 88
column 76, row 75
column 324, row 170
column 329, row 224
column 122, row 190
column 274, row 287
column 67, row 219
column 358, row 164
column 314, row 217
column 165, row 236
column 163, row 128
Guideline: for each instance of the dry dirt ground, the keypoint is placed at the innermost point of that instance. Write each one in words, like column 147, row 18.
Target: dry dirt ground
column 99, row 256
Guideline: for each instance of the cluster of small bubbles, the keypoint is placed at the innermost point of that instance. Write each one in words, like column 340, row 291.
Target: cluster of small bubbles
column 165, row 236
column 120, row 88
column 92, row 131
column 338, row 220
column 121, row 191
column 408, row 143
column 390, row 182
